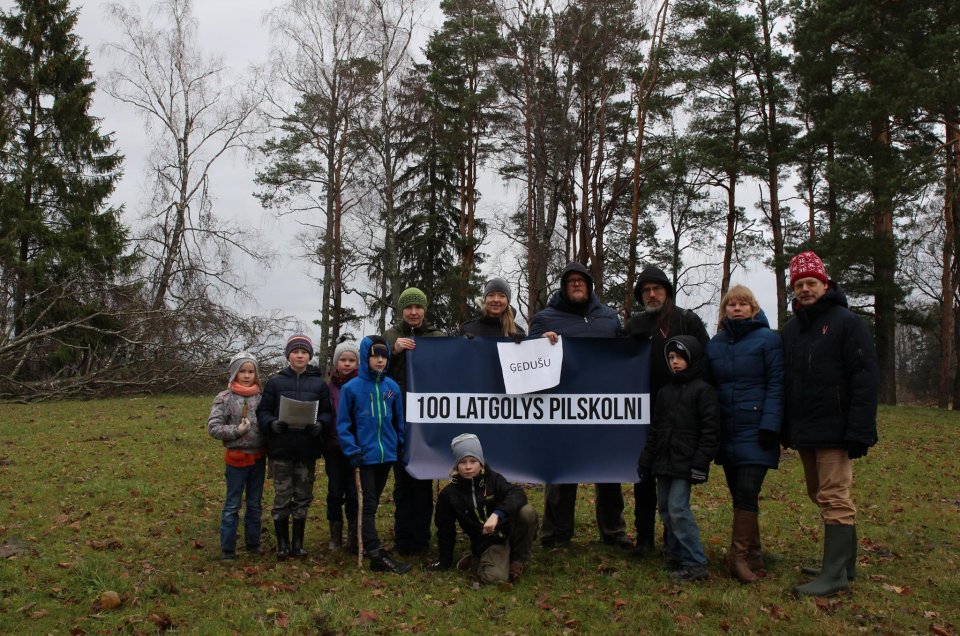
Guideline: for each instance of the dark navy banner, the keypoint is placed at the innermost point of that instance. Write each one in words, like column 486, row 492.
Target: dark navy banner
column 590, row 428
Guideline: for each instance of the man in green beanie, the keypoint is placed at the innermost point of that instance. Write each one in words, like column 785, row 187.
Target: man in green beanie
column 413, row 498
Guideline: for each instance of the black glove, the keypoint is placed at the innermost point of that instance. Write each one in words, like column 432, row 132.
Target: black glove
column 356, row 460
column 856, row 450
column 315, row 429
column 468, row 336
column 768, row 439
column 698, row 476
column 279, row 427
column 437, row 566
column 517, row 337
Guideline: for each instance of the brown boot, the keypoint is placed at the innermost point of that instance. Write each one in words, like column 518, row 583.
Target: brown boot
column 744, row 524
column 755, row 551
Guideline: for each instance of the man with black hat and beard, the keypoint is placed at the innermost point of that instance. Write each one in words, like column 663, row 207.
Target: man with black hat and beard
column 575, row 311
column 658, row 320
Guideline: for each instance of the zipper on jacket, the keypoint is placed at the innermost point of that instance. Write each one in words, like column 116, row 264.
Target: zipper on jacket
column 376, row 387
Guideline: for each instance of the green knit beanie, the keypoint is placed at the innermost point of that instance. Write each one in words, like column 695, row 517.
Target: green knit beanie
column 412, row 296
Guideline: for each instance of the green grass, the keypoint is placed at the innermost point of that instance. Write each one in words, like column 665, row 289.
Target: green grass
column 125, row 495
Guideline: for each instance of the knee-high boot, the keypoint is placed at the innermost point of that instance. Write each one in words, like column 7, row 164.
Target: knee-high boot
column 837, row 547
column 282, row 528
column 744, row 526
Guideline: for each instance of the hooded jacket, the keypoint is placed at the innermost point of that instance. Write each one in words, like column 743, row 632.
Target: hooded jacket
column 306, row 387
column 370, row 415
column 659, row 327
column 590, row 320
column 832, row 376
column 225, row 416
column 746, row 368
column 470, row 502
column 685, row 433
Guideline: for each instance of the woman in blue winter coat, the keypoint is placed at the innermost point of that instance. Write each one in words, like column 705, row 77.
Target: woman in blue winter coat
column 745, row 361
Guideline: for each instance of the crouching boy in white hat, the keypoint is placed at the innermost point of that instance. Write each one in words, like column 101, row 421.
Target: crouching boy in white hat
column 493, row 512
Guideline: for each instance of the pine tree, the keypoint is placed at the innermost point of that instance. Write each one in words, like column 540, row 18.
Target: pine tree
column 57, row 171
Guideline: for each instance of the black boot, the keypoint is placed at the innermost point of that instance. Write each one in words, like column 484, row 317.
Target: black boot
column 296, row 550
column 352, row 544
column 336, row 535
column 380, row 561
column 282, row 528
column 837, row 546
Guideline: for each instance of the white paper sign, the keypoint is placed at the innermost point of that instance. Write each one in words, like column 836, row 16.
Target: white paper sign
column 532, row 365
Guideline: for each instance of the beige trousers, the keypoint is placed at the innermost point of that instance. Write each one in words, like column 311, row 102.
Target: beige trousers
column 829, row 475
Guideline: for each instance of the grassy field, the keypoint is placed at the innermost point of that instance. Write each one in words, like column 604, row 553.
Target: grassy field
column 124, row 496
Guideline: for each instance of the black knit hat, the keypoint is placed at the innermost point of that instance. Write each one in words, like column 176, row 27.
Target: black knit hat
column 651, row 274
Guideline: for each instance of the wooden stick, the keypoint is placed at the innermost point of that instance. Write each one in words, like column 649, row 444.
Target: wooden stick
column 356, row 477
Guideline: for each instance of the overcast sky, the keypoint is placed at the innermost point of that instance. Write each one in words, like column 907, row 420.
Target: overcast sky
column 235, row 30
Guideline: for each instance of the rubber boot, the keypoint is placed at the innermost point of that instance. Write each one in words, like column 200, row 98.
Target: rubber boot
column 336, row 535
column 282, row 528
column 296, row 549
column 851, row 564
column 837, row 542
column 744, row 523
column 380, row 561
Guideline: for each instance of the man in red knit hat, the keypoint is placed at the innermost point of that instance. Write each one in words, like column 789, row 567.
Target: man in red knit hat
column 831, row 410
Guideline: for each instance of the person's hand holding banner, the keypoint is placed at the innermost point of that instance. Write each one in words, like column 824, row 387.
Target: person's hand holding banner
column 533, row 365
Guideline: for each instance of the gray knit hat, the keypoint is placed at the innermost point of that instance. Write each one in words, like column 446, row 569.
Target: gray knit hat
column 347, row 346
column 411, row 296
column 466, row 445
column 497, row 285
column 238, row 361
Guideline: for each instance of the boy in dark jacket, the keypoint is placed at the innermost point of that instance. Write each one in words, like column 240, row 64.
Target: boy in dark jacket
column 293, row 452
column 682, row 441
column 491, row 511
column 370, row 426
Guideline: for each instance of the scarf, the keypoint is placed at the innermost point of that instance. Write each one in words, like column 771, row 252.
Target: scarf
column 244, row 391
column 340, row 380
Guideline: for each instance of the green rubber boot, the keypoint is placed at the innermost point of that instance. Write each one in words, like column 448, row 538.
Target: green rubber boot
column 837, row 546
column 851, row 563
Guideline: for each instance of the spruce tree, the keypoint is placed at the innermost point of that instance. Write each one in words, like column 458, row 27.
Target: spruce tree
column 58, row 233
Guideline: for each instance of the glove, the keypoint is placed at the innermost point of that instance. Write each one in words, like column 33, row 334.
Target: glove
column 356, row 461
column 856, row 450
column 279, row 427
column 698, row 476
column 243, row 427
column 436, row 566
column 517, row 337
column 468, row 336
column 768, row 439
column 315, row 429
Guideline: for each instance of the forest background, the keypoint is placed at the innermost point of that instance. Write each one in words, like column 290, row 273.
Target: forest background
column 396, row 143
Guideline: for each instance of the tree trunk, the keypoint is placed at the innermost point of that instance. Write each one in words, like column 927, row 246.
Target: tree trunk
column 950, row 200
column 885, row 320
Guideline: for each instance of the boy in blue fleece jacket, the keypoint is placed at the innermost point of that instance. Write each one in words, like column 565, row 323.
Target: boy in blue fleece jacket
column 370, row 426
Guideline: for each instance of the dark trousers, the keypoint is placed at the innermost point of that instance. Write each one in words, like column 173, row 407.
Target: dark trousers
column 341, row 489
column 413, row 499
column 560, row 501
column 745, row 483
column 373, row 479
column 645, row 510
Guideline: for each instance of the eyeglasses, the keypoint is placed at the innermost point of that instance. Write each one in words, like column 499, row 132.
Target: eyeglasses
column 652, row 289
column 573, row 282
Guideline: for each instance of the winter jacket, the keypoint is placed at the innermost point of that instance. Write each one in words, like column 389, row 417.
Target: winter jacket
column 398, row 361
column 745, row 363
column 684, row 433
column 487, row 327
column 370, row 415
column 590, row 320
column 470, row 502
column 644, row 326
column 306, row 387
column 225, row 416
column 831, row 376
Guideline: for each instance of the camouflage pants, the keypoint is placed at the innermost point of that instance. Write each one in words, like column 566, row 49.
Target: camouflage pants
column 293, row 487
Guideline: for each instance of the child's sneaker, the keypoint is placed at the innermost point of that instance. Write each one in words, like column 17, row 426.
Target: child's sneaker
column 466, row 563
column 689, row 574
column 380, row 561
column 226, row 555
column 516, row 571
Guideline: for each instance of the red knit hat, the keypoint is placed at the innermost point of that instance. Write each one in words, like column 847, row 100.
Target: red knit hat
column 807, row 265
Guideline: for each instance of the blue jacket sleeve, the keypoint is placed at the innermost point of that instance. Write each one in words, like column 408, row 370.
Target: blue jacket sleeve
column 773, row 396
column 345, row 427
